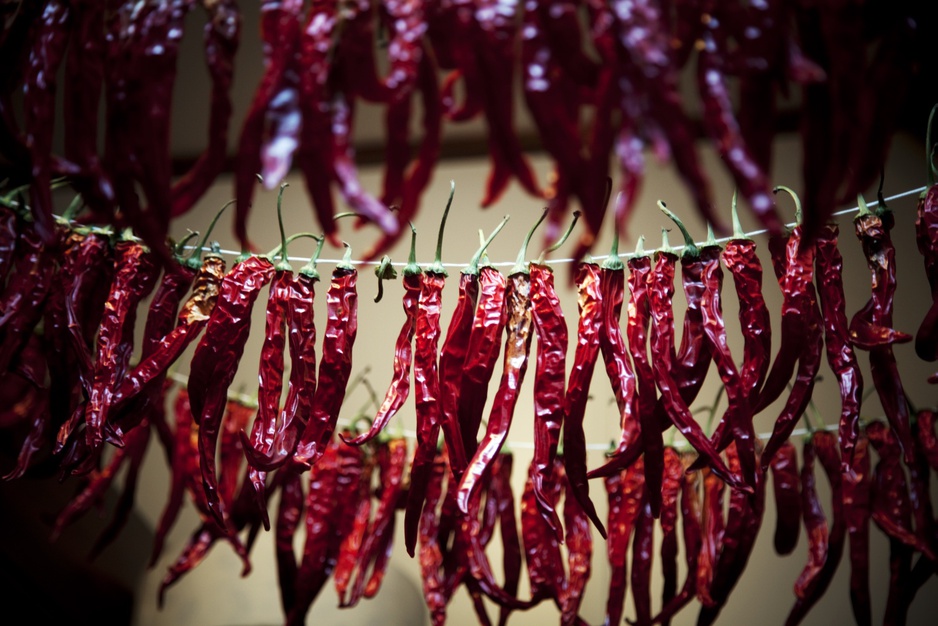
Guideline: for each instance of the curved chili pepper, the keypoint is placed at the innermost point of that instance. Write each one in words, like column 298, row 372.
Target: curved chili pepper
column 625, row 491
column 785, row 483
column 134, row 279
column 815, row 523
column 691, row 532
column 335, row 365
column 517, row 348
column 221, row 37
column 431, row 557
column 579, row 543
column 840, row 354
column 712, row 527
column 856, row 503
column 926, row 239
column 551, row 330
column 892, row 508
column 642, row 557
column 215, row 361
column 872, row 229
column 350, row 550
column 614, row 351
column 289, row 512
column 670, row 490
column 826, row 446
column 541, row 550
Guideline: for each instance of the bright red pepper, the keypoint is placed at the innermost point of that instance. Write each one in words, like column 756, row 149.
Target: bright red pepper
column 625, row 491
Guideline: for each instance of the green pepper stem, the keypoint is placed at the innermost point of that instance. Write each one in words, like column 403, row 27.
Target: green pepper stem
column 412, row 269
column 520, row 266
column 276, row 251
column 72, row 209
column 640, row 247
column 194, row 259
column 794, row 196
column 310, row 268
column 665, row 243
column 864, row 208
column 738, row 232
column 690, row 248
column 613, row 261
column 473, row 268
column 881, row 207
column 283, row 265
column 712, row 411
column 711, row 236
column 563, row 238
column 346, row 262
column 384, row 271
column 181, row 246
column 437, row 266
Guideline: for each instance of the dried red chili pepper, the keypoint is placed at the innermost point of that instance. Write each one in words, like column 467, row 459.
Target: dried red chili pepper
column 579, row 543
column 926, row 239
column 221, row 37
column 431, row 557
column 712, row 528
column 691, row 532
column 551, row 330
column 670, row 490
column 660, row 293
column 624, row 491
column 856, row 503
column 815, row 523
column 427, row 387
column 330, row 509
column 215, row 361
column 642, row 557
column 453, row 356
column 541, row 549
column 800, row 300
column 501, row 491
column 872, row 228
column 891, row 504
column 840, row 354
column 289, row 513
column 392, row 459
column 785, row 483
column 335, row 365
column 350, row 550
column 517, row 347
column 135, row 277
column 813, row 588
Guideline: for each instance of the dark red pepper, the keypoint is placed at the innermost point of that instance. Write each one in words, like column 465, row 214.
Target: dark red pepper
column 785, row 483
column 712, row 529
column 856, row 499
column 642, row 557
column 670, row 490
column 815, row 523
column 625, row 490
column 579, row 542
column 541, row 549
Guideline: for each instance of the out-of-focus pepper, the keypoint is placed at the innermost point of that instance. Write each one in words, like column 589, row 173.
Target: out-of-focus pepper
column 579, row 543
column 670, row 490
column 785, row 484
column 856, row 499
column 712, row 528
column 624, row 490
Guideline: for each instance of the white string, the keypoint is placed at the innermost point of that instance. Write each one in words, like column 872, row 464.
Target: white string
column 622, row 255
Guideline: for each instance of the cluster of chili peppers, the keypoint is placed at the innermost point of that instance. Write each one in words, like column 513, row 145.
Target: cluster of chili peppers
column 599, row 79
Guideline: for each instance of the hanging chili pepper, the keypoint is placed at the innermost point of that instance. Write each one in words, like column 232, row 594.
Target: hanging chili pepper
column 541, row 549
column 453, row 356
column 221, row 37
column 872, row 229
column 487, row 327
column 926, row 239
column 815, row 523
column 891, row 504
column 785, row 481
column 690, row 529
column 330, row 510
column 856, row 504
column 335, row 365
column 712, row 525
column 579, row 543
column 350, row 550
column 801, row 297
column 625, row 491
column 427, row 386
column 840, row 354
column 670, row 489
column 431, row 557
column 517, row 347
column 642, row 557
column 660, row 292
column 392, row 459
column 135, row 277
column 508, row 528
column 614, row 351
column 215, row 362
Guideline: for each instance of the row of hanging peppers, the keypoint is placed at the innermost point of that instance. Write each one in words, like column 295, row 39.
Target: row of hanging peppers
column 68, row 314
column 598, row 79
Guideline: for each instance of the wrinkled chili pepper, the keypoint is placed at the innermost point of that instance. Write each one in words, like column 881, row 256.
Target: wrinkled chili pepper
column 815, row 523
column 579, row 543
column 660, row 293
column 856, row 503
column 670, row 490
column 511, row 541
column 221, row 37
column 426, row 387
column 135, row 277
column 712, row 528
column 331, row 503
column 215, row 362
column 335, row 365
column 826, row 446
column 453, row 356
column 431, row 557
column 872, row 229
column 551, row 330
column 517, row 347
column 785, row 484
column 926, row 239
column 624, row 490
column 289, row 513
column 642, row 557
column 796, row 279
column 840, row 354
column 541, row 549
column 691, row 532
column 350, row 549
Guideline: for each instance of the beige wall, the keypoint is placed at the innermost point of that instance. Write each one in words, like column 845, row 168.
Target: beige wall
column 214, row 594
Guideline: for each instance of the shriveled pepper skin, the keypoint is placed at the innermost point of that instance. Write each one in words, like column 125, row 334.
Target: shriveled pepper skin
column 856, row 487
column 216, row 360
column 786, row 487
column 625, row 491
